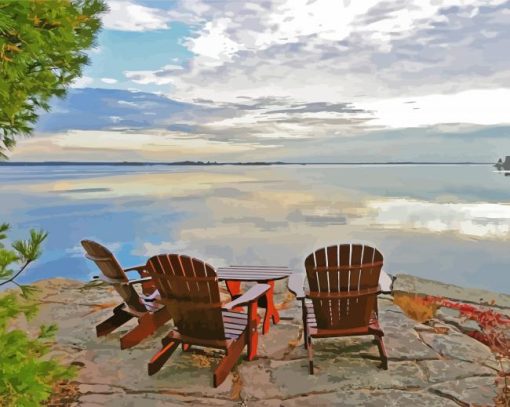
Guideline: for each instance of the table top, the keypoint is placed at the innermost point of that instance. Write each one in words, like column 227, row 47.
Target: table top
column 253, row 273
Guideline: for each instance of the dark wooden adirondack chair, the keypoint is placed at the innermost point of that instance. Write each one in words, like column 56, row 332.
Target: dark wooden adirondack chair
column 150, row 315
column 342, row 297
column 189, row 288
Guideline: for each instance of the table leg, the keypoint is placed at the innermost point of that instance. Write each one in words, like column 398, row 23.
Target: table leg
column 271, row 311
column 234, row 288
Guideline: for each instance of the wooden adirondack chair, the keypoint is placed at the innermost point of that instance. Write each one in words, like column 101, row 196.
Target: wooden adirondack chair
column 150, row 315
column 189, row 288
column 342, row 296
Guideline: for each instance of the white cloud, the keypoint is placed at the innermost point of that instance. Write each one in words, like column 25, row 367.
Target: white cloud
column 128, row 16
column 152, row 144
column 109, row 81
column 484, row 107
column 213, row 44
column 161, row 76
column 370, row 53
column 82, row 82
column 269, row 72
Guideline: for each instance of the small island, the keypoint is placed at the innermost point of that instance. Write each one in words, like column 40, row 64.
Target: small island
column 503, row 166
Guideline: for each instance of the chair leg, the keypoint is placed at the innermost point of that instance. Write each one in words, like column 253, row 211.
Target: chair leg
column 253, row 335
column 147, row 324
column 305, row 327
column 229, row 360
column 138, row 333
column 382, row 352
column 160, row 358
column 119, row 318
column 310, row 355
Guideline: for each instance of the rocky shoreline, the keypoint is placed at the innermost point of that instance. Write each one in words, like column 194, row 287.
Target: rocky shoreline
column 430, row 364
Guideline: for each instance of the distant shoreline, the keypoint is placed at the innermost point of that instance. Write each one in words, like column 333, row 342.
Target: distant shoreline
column 214, row 163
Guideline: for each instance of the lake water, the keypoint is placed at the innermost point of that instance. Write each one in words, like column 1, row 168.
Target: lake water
column 445, row 222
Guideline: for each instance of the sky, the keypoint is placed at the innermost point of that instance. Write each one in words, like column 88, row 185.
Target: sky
column 288, row 80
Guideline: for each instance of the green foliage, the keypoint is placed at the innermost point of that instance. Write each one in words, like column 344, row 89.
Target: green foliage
column 42, row 44
column 29, row 250
column 25, row 251
column 27, row 374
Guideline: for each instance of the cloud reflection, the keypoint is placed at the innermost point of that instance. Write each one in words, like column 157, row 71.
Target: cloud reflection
column 483, row 220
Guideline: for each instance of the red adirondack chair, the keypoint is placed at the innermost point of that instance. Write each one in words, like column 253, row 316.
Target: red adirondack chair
column 150, row 314
column 189, row 288
column 342, row 297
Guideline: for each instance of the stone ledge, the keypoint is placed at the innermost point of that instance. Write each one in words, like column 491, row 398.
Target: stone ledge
column 426, row 367
column 416, row 285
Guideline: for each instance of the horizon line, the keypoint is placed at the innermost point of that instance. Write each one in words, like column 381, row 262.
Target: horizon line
column 216, row 163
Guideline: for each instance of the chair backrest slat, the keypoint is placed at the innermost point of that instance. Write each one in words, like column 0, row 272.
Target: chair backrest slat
column 345, row 259
column 189, row 287
column 322, row 278
column 334, row 282
column 104, row 259
column 332, row 256
column 356, row 255
column 343, row 282
column 110, row 267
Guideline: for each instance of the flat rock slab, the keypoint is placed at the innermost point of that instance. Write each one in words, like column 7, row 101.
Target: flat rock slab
column 425, row 369
column 368, row 398
column 122, row 399
column 438, row 371
column 411, row 284
column 461, row 347
column 479, row 391
column 280, row 341
column 292, row 378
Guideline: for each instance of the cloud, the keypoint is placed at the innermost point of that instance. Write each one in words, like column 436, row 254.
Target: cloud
column 306, row 132
column 367, row 53
column 161, row 76
column 155, row 145
column 92, row 109
column 129, row 16
column 317, row 80
column 481, row 106
column 82, row 82
column 109, row 81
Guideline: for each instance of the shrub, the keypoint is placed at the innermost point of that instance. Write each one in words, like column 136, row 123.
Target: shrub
column 27, row 376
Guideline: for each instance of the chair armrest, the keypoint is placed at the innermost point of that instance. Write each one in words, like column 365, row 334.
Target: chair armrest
column 139, row 280
column 142, row 270
column 386, row 282
column 295, row 285
column 110, row 280
column 251, row 295
column 152, row 297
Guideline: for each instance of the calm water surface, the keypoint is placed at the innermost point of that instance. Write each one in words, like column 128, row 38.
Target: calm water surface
column 446, row 222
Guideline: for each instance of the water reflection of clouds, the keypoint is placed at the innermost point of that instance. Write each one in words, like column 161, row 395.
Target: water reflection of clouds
column 483, row 220
column 236, row 215
column 155, row 185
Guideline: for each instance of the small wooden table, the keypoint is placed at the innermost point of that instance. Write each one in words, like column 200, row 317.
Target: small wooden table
column 234, row 275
